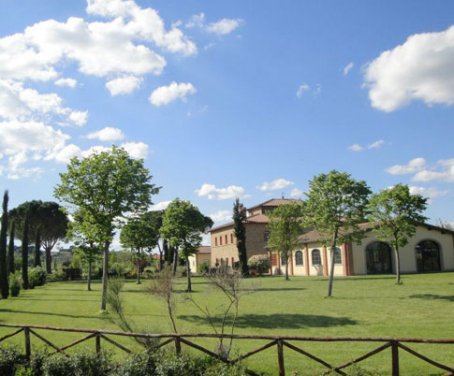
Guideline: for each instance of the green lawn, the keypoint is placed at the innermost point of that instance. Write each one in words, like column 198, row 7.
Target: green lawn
column 371, row 306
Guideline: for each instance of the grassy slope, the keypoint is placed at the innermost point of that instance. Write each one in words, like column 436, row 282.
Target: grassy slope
column 361, row 306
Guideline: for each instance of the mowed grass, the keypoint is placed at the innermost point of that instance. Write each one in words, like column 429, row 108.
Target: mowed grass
column 368, row 306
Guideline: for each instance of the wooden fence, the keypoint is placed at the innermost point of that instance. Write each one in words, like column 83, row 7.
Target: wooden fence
column 280, row 342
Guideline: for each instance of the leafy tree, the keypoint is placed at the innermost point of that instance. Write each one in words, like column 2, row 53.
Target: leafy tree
column 11, row 266
column 141, row 234
column 25, row 243
column 335, row 207
column 3, row 245
column 396, row 212
column 182, row 225
column 239, row 217
column 285, row 226
column 106, row 186
column 88, row 253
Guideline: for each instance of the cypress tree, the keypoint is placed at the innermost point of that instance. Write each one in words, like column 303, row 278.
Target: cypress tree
column 239, row 217
column 11, row 266
column 3, row 244
column 37, row 249
column 25, row 253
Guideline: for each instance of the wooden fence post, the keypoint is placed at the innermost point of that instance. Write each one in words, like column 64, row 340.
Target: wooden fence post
column 395, row 358
column 280, row 357
column 28, row 347
column 98, row 343
column 177, row 345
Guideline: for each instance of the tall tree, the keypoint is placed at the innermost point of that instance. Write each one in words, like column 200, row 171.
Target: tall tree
column 396, row 213
column 335, row 207
column 106, row 185
column 3, row 246
column 183, row 225
column 141, row 234
column 239, row 228
column 25, row 244
column 37, row 259
column 285, row 226
column 11, row 265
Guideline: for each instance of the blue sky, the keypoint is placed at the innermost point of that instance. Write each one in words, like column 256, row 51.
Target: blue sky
column 231, row 98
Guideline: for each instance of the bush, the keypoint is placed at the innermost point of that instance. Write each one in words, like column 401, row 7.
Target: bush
column 15, row 282
column 59, row 365
column 56, row 276
column 10, row 360
column 204, row 268
column 148, row 272
column 117, row 270
column 142, row 364
column 80, row 364
column 36, row 277
column 260, row 263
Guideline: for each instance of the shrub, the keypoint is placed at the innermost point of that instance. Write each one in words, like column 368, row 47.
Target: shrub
column 148, row 272
column 56, row 276
column 15, row 282
column 10, row 360
column 36, row 277
column 204, row 268
column 59, row 365
column 142, row 364
column 117, row 270
column 261, row 263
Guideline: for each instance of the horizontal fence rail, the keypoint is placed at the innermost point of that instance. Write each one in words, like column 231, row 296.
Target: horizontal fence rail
column 280, row 342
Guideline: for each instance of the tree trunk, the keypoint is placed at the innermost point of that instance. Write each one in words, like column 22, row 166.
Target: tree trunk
column 161, row 257
column 48, row 259
column 331, row 272
column 89, row 275
column 105, row 275
column 188, row 272
column 286, row 267
column 397, row 257
column 37, row 249
column 175, row 261
column 138, row 267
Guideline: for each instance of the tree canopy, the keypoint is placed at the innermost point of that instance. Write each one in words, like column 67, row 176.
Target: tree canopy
column 286, row 224
column 104, row 187
column 336, row 205
column 396, row 213
column 183, row 225
column 239, row 228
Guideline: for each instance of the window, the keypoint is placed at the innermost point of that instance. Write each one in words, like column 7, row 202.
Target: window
column 316, row 259
column 220, row 240
column 337, row 256
column 231, row 238
column 215, row 241
column 226, row 239
column 428, row 256
column 266, row 235
column 299, row 258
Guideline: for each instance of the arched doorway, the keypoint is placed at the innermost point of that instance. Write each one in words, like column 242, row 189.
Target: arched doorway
column 428, row 256
column 378, row 258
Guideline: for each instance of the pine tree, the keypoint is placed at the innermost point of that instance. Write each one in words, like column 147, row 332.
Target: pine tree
column 3, row 244
column 37, row 249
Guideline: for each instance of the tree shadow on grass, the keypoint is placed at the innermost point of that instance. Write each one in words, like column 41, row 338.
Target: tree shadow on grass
column 449, row 298
column 16, row 311
column 271, row 289
column 277, row 320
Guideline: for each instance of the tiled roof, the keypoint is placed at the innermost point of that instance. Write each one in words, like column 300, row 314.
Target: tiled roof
column 259, row 218
column 273, row 202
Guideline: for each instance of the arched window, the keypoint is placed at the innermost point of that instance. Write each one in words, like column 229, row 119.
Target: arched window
column 283, row 259
column 337, row 256
column 299, row 258
column 378, row 258
column 316, row 258
column 428, row 256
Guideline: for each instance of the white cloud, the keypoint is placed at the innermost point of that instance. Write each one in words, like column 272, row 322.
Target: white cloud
column 213, row 193
column 165, row 94
column 160, row 206
column 123, row 85
column 107, row 134
column 444, row 172
column 224, row 26
column 66, row 82
column 64, row 154
column 374, row 145
column 137, row 150
column 348, row 68
column 411, row 167
column 296, row 193
column 78, row 117
column 303, row 88
column 275, row 185
column 430, row 193
column 418, row 69
column 221, row 216
column 356, row 147
column 197, row 20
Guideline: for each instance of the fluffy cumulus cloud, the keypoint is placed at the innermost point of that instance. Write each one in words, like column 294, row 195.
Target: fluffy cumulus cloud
column 442, row 171
column 418, row 69
column 296, row 193
column 166, row 94
column 411, row 167
column 221, row 216
column 160, row 206
column 137, row 150
column 430, row 193
column 374, row 145
column 107, row 134
column 212, row 192
column 66, row 82
column 275, row 185
column 123, row 85
column 222, row 27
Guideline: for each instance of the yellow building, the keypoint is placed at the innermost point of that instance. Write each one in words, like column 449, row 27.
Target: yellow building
column 197, row 260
